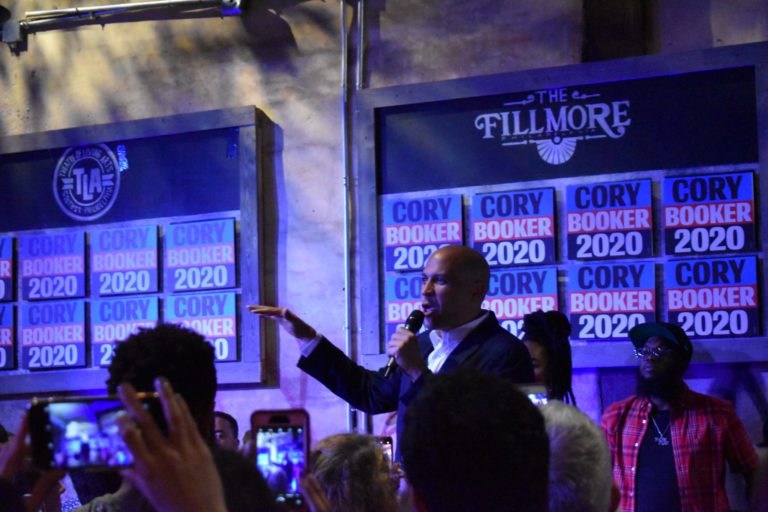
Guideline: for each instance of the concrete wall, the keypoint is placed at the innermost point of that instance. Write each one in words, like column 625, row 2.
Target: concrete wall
column 285, row 58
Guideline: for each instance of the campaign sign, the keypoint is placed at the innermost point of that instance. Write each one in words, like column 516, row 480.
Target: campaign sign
column 605, row 300
column 709, row 214
column 6, row 337
column 200, row 256
column 515, row 228
column 415, row 228
column 6, row 269
column 52, row 335
column 402, row 294
column 513, row 294
column 607, row 221
column 124, row 260
column 713, row 297
column 52, row 266
column 212, row 315
column 114, row 320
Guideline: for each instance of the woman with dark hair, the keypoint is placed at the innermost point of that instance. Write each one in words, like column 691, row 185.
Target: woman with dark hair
column 546, row 336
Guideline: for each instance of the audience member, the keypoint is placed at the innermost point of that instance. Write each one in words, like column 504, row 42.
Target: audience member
column 460, row 335
column 472, row 441
column 546, row 336
column 669, row 444
column 186, row 360
column 175, row 473
column 225, row 431
column 580, row 478
column 354, row 474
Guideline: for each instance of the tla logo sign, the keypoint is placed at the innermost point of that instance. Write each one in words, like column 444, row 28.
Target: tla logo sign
column 554, row 120
column 86, row 181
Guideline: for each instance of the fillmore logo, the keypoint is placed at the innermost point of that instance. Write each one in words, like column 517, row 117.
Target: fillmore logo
column 86, row 181
column 555, row 120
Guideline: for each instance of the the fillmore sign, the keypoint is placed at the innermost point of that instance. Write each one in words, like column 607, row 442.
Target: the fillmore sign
column 554, row 120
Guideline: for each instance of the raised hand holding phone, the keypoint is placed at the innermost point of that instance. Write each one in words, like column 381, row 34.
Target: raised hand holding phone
column 175, row 473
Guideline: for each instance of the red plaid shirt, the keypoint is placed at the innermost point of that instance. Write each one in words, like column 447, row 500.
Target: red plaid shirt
column 705, row 433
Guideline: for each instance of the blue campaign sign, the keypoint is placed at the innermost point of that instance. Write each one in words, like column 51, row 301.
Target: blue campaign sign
column 514, row 228
column 52, row 334
column 52, row 266
column 7, row 340
column 402, row 294
column 607, row 221
column 6, row 269
column 415, row 228
column 200, row 256
column 713, row 297
column 114, row 320
column 709, row 214
column 605, row 300
column 211, row 314
column 124, row 260
column 513, row 294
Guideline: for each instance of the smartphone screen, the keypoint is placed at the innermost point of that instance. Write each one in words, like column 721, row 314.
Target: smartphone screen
column 536, row 393
column 282, row 444
column 280, row 455
column 78, row 433
column 385, row 443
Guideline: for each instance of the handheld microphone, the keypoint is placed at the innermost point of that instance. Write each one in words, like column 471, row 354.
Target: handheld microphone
column 413, row 324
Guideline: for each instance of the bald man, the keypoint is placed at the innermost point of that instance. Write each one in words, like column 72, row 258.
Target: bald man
column 459, row 334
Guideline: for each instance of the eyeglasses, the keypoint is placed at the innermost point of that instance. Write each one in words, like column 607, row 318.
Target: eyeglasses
column 653, row 353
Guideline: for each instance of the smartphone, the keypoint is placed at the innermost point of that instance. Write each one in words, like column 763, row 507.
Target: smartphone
column 385, row 443
column 76, row 433
column 282, row 445
column 536, row 393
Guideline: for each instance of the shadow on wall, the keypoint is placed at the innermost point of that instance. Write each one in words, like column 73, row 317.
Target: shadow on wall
column 156, row 59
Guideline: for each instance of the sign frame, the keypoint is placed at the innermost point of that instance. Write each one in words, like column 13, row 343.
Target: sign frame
column 250, row 128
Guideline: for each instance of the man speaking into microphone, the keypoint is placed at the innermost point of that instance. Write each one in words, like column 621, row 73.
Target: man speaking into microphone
column 459, row 334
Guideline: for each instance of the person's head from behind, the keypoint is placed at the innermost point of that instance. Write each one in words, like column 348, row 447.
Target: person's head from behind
column 474, row 442
column 225, row 430
column 454, row 284
column 354, row 472
column 180, row 355
column 580, row 475
column 546, row 336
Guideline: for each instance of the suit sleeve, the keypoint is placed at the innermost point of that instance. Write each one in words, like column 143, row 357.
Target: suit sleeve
column 364, row 389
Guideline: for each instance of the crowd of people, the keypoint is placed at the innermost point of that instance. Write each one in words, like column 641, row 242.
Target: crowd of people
column 468, row 438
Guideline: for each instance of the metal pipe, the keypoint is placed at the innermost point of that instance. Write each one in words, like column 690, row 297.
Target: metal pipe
column 352, row 415
column 89, row 11
column 360, row 80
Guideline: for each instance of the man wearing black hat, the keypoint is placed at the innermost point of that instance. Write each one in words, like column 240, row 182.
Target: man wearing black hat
column 669, row 444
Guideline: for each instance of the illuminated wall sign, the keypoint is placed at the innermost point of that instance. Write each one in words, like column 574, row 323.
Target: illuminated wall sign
column 52, row 266
column 402, row 294
column 609, row 220
column 513, row 294
column 514, row 228
column 415, row 228
column 713, row 297
column 211, row 314
column 709, row 214
column 124, row 260
column 6, row 337
column 52, row 334
column 6, row 268
column 606, row 300
column 200, row 256
column 114, row 320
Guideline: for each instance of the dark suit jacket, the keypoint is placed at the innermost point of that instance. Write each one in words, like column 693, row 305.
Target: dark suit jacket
column 488, row 347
